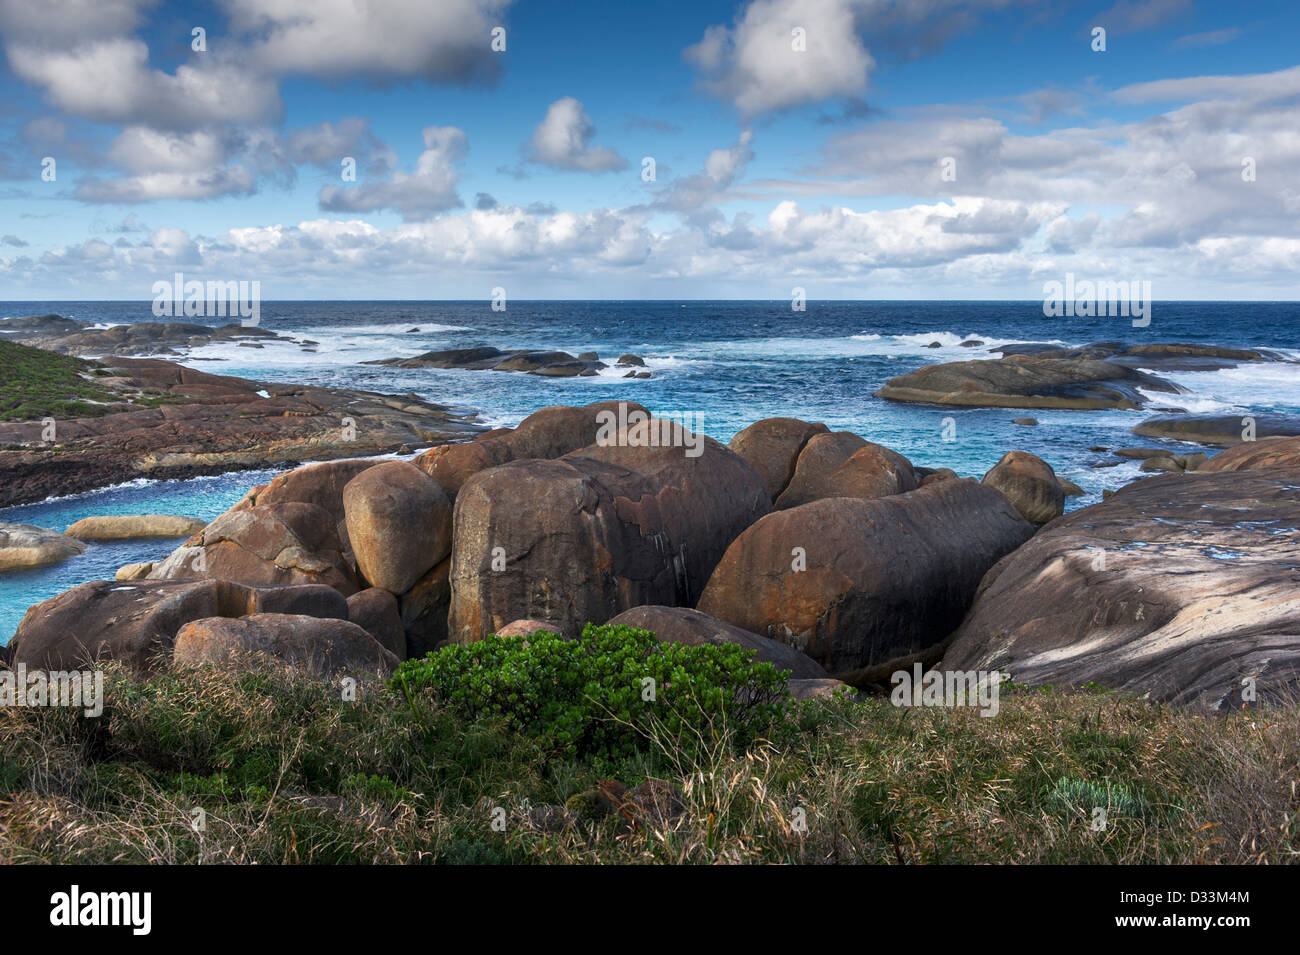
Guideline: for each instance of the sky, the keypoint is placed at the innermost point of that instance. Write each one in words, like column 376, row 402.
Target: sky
column 681, row 149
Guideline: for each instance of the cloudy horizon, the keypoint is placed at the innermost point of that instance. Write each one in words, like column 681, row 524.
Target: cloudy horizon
column 857, row 149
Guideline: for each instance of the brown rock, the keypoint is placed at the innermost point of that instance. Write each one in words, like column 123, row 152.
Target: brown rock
column 375, row 611
column 25, row 546
column 1250, row 455
column 772, row 446
column 819, row 689
column 526, row 628
column 399, row 524
column 1030, row 485
column 111, row 527
column 424, row 610
column 319, row 647
column 855, row 583
column 277, row 544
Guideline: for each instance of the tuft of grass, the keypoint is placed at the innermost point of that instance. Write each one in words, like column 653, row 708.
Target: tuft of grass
column 285, row 770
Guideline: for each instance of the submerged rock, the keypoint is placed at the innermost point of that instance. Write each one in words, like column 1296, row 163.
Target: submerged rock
column 26, row 546
column 110, row 527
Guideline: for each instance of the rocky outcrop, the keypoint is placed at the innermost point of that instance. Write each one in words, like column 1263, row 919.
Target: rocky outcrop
column 1164, row 357
column 599, row 531
column 1025, row 381
column 552, row 432
column 113, row 527
column 399, row 524
column 856, row 583
column 1265, row 453
column 549, row 364
column 71, row 337
column 772, row 447
column 308, row 644
column 273, row 544
column 136, row 622
column 176, row 422
column 840, row 464
column 1030, row 485
column 1219, row 430
column 694, row 629
column 26, row 546
column 1182, row 587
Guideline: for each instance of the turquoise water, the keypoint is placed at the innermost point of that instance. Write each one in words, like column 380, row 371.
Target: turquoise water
column 730, row 363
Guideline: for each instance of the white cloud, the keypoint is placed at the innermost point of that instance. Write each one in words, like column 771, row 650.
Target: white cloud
column 754, row 66
column 431, row 188
column 562, row 140
column 445, row 41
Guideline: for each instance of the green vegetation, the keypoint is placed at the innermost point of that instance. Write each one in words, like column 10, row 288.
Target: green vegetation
column 604, row 697
column 451, row 765
column 35, row 383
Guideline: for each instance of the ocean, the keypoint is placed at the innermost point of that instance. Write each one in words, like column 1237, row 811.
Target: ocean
column 728, row 363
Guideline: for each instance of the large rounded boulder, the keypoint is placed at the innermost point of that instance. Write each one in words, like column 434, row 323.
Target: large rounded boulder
column 598, row 531
column 309, row 644
column 1030, row 485
column 399, row 524
column 772, row 446
column 841, row 464
column 856, row 584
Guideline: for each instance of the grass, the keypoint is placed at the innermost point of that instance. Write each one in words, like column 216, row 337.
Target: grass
column 262, row 766
column 36, row 384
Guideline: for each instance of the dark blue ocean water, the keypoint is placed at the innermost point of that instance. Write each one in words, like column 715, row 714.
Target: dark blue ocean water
column 727, row 362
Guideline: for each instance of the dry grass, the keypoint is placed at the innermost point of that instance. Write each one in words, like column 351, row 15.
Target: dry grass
column 285, row 771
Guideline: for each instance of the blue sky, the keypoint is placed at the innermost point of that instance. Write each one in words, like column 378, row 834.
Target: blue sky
column 819, row 167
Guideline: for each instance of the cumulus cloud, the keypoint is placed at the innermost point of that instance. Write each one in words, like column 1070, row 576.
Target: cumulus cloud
column 562, row 140
column 447, row 41
column 758, row 65
column 430, row 189
column 755, row 66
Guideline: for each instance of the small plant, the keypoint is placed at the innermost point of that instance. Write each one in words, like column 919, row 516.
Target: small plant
column 601, row 696
column 1082, row 796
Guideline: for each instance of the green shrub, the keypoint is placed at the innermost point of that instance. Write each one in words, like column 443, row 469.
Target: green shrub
column 591, row 699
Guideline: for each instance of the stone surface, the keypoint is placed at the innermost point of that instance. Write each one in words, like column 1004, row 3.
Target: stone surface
column 1218, row 430
column 1268, row 452
column 399, row 524
column 597, row 532
column 858, row 583
column 843, row 465
column 1025, row 381
column 1030, row 485
column 273, row 544
column 772, row 446
column 376, row 612
column 110, row 527
column 1177, row 587
column 209, row 424
column 315, row 646
column 26, row 546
